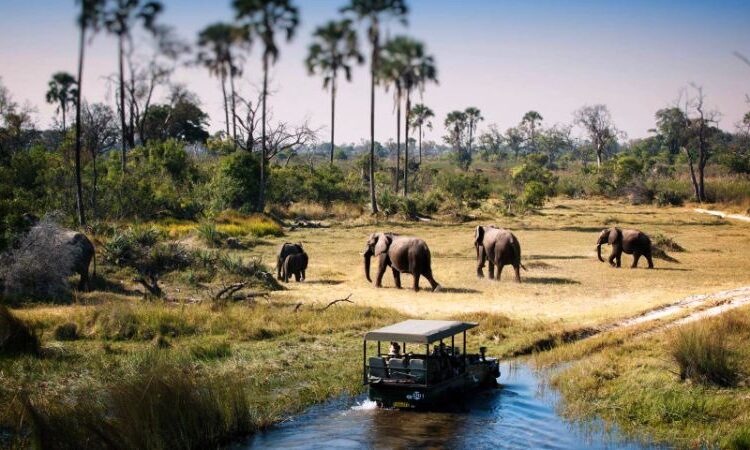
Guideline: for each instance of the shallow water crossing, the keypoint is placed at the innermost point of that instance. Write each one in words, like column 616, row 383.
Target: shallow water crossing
column 519, row 415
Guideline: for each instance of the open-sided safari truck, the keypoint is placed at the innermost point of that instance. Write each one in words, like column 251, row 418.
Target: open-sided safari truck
column 416, row 377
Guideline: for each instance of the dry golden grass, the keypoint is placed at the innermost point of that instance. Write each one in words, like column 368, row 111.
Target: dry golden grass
column 565, row 282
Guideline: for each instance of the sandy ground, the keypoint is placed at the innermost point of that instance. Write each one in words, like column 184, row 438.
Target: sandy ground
column 565, row 282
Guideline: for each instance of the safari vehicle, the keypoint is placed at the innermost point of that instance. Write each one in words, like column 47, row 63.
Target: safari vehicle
column 424, row 379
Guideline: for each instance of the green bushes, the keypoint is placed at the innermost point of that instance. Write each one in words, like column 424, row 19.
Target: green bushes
column 210, row 235
column 236, row 184
column 463, row 188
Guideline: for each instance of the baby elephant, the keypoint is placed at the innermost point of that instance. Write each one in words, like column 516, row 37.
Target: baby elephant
column 500, row 247
column 295, row 265
column 632, row 242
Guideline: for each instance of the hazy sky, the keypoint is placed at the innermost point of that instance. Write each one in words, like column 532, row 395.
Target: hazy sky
column 505, row 57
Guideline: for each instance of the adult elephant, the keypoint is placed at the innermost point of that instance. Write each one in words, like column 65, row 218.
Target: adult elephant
column 499, row 247
column 403, row 254
column 632, row 242
column 285, row 250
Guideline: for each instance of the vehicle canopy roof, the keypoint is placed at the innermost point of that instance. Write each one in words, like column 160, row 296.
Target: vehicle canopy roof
column 419, row 331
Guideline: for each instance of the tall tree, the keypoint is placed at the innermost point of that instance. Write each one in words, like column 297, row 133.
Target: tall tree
column 120, row 19
column 419, row 68
column 88, row 19
column 420, row 118
column 265, row 18
column 474, row 116
column 215, row 44
column 700, row 134
column 391, row 73
column 597, row 122
column 456, row 123
column 529, row 123
column 99, row 134
column 334, row 48
column 63, row 92
column 373, row 12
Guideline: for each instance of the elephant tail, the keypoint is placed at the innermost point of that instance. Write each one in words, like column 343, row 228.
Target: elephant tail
column 517, row 249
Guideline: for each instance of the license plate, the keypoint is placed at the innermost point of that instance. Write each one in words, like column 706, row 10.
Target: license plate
column 401, row 405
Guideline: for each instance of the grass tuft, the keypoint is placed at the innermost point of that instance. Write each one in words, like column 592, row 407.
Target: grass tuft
column 703, row 355
column 66, row 332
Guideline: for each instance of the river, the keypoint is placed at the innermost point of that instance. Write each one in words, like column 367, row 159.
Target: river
column 521, row 414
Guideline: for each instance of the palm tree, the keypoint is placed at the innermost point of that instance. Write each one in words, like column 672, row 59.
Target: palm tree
column 120, row 20
column 456, row 123
column 530, row 120
column 419, row 68
column 91, row 12
column 215, row 43
column 63, row 92
column 420, row 117
column 473, row 115
column 373, row 11
column 334, row 47
column 391, row 72
column 264, row 18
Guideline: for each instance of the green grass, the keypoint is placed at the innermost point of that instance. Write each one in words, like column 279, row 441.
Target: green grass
column 686, row 387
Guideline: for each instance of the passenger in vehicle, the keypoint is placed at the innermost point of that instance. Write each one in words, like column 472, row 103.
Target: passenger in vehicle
column 395, row 350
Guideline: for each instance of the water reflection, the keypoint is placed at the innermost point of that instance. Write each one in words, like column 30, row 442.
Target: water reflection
column 521, row 414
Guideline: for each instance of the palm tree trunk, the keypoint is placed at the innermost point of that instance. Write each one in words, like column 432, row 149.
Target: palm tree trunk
column 373, row 69
column 234, row 109
column 226, row 106
column 398, row 136
column 420, row 144
column 262, row 190
column 79, row 187
column 333, row 113
column 406, row 144
column 123, row 126
column 63, row 108
column 94, row 209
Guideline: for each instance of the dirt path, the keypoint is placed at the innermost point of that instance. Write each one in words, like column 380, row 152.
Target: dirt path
column 722, row 214
column 696, row 307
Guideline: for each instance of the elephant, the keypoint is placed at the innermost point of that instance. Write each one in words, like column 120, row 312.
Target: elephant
column 295, row 265
column 285, row 250
column 500, row 247
column 403, row 254
column 632, row 242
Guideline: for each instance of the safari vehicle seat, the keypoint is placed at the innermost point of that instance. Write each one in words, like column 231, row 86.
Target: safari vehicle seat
column 377, row 367
column 398, row 369
column 423, row 370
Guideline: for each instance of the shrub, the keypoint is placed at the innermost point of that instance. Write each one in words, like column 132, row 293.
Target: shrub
column 702, row 354
column 16, row 337
column 669, row 198
column 66, row 332
column 662, row 241
column 210, row 235
column 236, row 185
column 388, row 202
column 462, row 187
column 39, row 267
column 534, row 194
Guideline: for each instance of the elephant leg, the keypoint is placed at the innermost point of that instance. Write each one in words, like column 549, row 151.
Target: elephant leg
column 83, row 283
column 480, row 257
column 491, row 269
column 650, row 261
column 517, row 268
column 416, row 281
column 619, row 260
column 612, row 258
column 396, row 277
column 303, row 275
column 296, row 276
column 499, row 271
column 279, row 268
column 636, row 257
column 382, row 265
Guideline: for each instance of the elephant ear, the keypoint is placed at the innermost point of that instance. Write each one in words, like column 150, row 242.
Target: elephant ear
column 384, row 241
column 615, row 236
column 479, row 235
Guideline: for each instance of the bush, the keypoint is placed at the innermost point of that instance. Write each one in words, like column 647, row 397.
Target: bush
column 38, row 269
column 236, row 185
column 462, row 187
column 666, row 242
column 703, row 355
column 210, row 235
column 66, row 332
column 669, row 198
column 16, row 337
column 534, row 194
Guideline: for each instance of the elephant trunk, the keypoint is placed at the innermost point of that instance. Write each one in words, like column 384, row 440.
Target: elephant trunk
column 599, row 252
column 367, row 255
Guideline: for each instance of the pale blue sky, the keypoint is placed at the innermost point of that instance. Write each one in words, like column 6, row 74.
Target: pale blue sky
column 505, row 57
